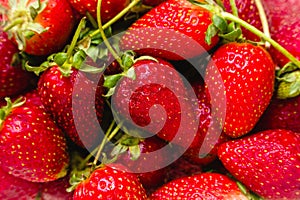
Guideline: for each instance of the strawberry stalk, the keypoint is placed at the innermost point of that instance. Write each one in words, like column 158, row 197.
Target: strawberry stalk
column 264, row 21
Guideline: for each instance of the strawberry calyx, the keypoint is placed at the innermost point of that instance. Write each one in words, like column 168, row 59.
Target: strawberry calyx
column 19, row 23
column 289, row 85
column 7, row 109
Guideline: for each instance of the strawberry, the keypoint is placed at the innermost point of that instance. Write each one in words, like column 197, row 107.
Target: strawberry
column 56, row 190
column 152, row 3
column 13, row 188
column 32, row 146
column 248, row 12
column 75, row 102
column 281, row 114
column 200, row 186
column 136, row 102
column 110, row 182
column 109, row 9
column 248, row 75
column 14, row 79
column 173, row 30
column 266, row 162
column 44, row 32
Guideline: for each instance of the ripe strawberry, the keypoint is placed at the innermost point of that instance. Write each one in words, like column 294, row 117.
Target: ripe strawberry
column 32, row 147
column 14, row 79
column 44, row 33
column 110, row 182
column 75, row 103
column 266, row 162
column 156, row 83
column 200, row 186
column 56, row 190
column 109, row 8
column 281, row 114
column 247, row 11
column 13, row 188
column 173, row 30
column 248, row 75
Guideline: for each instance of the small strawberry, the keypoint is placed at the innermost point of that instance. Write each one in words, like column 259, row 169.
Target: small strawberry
column 75, row 102
column 200, row 186
column 32, row 147
column 40, row 28
column 109, row 8
column 13, row 188
column 173, row 30
column 267, row 163
column 247, row 11
column 14, row 79
column 281, row 114
column 248, row 75
column 110, row 182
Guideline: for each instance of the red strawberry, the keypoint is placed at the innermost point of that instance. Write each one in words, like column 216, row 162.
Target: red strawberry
column 152, row 2
column 110, row 182
column 56, row 190
column 13, row 78
column 173, row 30
column 109, row 8
column 200, row 186
column 45, row 33
column 31, row 145
column 247, row 11
column 149, row 175
column 281, row 114
column 266, row 162
column 75, row 103
column 155, row 101
column 248, row 75
column 13, row 188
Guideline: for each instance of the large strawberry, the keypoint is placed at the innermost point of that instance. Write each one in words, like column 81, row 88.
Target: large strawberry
column 75, row 102
column 173, row 30
column 110, row 182
column 109, row 8
column 13, row 78
column 266, row 162
column 40, row 29
column 200, row 186
column 13, row 188
column 247, row 10
column 248, row 75
column 281, row 113
column 32, row 146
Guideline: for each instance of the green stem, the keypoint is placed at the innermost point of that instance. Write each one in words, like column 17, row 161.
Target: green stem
column 13, row 24
column 234, row 10
column 264, row 21
column 276, row 45
column 117, row 17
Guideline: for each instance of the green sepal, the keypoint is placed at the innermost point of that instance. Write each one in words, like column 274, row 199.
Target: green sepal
column 232, row 36
column 91, row 69
column 130, row 73
column 289, row 67
column 127, row 60
column 112, row 80
column 39, row 69
column 289, row 85
column 135, row 152
column 60, row 58
column 7, row 109
column 110, row 92
column 78, row 59
column 212, row 31
column 220, row 23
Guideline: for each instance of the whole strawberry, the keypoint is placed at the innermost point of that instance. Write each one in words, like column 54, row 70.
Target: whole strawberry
column 14, row 79
column 200, row 186
column 281, row 114
column 110, row 182
column 40, row 27
column 248, row 75
column 173, row 30
column 266, row 162
column 109, row 8
column 13, row 188
column 75, row 102
column 32, row 146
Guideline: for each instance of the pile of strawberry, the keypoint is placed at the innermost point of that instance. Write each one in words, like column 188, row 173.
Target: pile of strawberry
column 84, row 116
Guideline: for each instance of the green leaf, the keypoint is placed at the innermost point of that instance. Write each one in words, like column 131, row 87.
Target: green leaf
column 111, row 80
column 212, row 31
column 220, row 23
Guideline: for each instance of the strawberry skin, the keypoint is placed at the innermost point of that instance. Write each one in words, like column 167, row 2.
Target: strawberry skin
column 248, row 75
column 13, row 188
column 56, row 190
column 109, row 8
column 168, row 29
column 200, row 186
column 32, row 147
column 248, row 12
column 67, row 97
column 281, row 114
column 266, row 162
column 13, row 78
column 110, row 182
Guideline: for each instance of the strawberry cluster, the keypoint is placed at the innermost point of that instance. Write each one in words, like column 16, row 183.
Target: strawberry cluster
column 163, row 99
